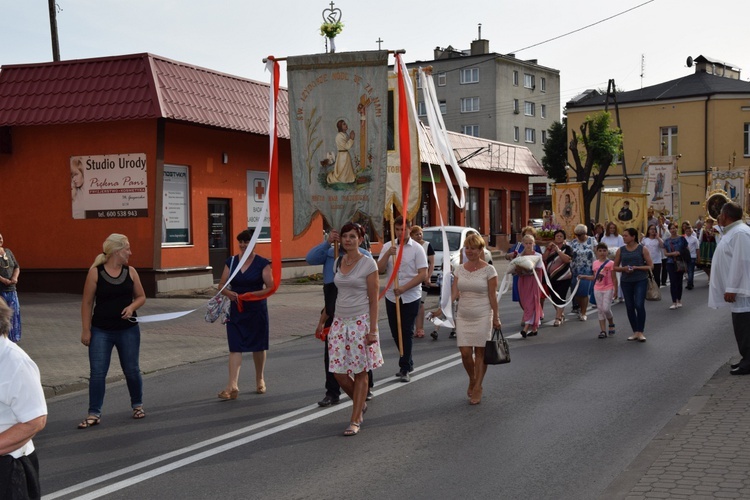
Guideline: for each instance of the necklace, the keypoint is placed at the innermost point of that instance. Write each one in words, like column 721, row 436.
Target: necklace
column 351, row 262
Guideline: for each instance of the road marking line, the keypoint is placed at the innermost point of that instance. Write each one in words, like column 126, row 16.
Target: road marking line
column 393, row 384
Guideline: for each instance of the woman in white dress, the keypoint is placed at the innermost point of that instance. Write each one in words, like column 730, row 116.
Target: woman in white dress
column 353, row 347
column 475, row 283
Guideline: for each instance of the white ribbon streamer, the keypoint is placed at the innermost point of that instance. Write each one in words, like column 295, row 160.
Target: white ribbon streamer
column 151, row 318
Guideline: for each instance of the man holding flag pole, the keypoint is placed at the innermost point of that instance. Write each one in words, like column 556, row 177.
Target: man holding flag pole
column 406, row 292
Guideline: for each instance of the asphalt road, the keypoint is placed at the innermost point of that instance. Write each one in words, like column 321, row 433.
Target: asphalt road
column 562, row 420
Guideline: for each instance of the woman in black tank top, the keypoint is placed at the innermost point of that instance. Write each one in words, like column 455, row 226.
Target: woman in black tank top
column 111, row 296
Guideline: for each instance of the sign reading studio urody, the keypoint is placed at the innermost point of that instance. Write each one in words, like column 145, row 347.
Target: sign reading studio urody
column 108, row 186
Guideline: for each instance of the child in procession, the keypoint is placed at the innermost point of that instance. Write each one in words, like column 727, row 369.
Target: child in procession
column 605, row 288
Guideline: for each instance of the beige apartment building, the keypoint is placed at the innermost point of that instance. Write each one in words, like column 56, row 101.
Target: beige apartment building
column 703, row 118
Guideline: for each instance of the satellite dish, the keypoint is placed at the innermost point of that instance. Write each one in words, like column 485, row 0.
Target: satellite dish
column 689, row 62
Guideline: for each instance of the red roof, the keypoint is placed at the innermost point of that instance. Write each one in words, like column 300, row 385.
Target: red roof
column 133, row 87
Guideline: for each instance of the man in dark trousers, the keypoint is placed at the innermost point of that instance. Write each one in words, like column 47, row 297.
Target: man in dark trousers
column 729, row 285
column 324, row 254
column 407, row 289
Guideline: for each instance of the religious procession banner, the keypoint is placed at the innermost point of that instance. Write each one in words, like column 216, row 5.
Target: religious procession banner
column 733, row 182
column 567, row 205
column 339, row 129
column 626, row 210
column 660, row 182
column 393, row 196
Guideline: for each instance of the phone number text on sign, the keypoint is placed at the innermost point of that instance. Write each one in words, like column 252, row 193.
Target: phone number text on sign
column 112, row 214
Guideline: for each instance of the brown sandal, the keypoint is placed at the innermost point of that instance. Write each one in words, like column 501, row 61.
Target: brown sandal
column 138, row 413
column 89, row 421
column 229, row 395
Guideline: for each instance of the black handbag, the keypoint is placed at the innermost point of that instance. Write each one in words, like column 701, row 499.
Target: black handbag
column 496, row 350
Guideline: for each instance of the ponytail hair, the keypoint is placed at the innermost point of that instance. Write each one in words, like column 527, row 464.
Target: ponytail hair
column 114, row 243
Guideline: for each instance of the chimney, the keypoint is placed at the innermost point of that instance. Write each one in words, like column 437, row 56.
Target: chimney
column 479, row 47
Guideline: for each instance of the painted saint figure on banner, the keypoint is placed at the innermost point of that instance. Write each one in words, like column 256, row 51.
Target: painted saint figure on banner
column 659, row 187
column 567, row 212
column 343, row 167
column 625, row 213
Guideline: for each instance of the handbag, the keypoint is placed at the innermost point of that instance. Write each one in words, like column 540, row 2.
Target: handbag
column 496, row 350
column 218, row 306
column 653, row 292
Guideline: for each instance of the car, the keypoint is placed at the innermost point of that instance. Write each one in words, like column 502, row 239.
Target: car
column 456, row 237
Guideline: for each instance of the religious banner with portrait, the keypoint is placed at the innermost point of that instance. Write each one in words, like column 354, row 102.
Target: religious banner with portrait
column 567, row 204
column 626, row 210
column 338, row 124
column 733, row 182
column 660, row 183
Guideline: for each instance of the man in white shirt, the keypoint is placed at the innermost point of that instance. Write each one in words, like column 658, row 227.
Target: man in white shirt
column 730, row 279
column 693, row 245
column 23, row 413
column 406, row 289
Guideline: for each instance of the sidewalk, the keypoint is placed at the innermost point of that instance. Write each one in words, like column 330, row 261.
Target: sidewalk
column 704, row 452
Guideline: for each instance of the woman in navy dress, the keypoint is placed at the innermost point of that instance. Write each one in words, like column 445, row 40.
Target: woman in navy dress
column 247, row 328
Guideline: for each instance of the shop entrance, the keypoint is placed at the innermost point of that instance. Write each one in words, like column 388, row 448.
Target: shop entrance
column 218, row 235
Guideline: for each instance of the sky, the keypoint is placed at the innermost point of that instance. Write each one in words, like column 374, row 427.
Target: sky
column 233, row 36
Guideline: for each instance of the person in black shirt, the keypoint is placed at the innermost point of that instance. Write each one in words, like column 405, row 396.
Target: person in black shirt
column 111, row 296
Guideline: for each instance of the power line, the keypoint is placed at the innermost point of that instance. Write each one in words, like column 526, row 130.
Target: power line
column 583, row 28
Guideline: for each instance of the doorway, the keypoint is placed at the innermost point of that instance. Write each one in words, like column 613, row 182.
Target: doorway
column 219, row 247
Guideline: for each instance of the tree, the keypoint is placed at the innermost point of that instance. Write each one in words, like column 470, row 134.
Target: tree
column 593, row 153
column 556, row 151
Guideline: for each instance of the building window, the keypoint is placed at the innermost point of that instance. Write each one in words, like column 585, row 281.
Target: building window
column 530, row 135
column 441, row 79
column 469, row 104
column 516, row 134
column 528, row 81
column 543, row 111
column 747, row 139
column 544, row 136
column 515, row 78
column 443, row 107
column 515, row 106
column 472, row 130
column 669, row 141
column 543, row 84
column 421, row 108
column 529, row 108
column 419, row 80
column 469, row 75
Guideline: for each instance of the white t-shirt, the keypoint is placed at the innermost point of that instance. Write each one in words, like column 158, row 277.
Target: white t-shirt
column 654, row 249
column 352, row 299
column 21, row 393
column 693, row 245
column 413, row 259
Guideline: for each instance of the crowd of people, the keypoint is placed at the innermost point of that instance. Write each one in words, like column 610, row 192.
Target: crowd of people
column 600, row 266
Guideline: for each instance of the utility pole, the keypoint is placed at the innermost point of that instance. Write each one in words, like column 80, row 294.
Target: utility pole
column 53, row 30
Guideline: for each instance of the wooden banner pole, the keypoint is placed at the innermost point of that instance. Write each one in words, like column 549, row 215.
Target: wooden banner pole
column 396, row 285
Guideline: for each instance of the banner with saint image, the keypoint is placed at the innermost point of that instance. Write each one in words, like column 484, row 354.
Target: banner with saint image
column 626, row 210
column 567, row 205
column 733, row 182
column 338, row 122
column 660, row 182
